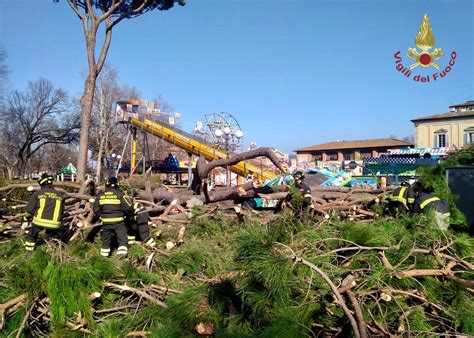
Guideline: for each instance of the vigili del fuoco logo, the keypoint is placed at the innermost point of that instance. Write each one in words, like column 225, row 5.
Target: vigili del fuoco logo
column 424, row 56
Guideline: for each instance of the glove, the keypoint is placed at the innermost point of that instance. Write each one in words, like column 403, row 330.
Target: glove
column 25, row 225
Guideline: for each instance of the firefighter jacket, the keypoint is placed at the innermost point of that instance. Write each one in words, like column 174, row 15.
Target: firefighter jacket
column 430, row 201
column 404, row 195
column 306, row 192
column 46, row 207
column 112, row 206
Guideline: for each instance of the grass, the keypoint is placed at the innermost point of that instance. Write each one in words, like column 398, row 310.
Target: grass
column 252, row 288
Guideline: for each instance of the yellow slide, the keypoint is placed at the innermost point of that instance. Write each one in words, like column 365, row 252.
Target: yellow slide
column 128, row 113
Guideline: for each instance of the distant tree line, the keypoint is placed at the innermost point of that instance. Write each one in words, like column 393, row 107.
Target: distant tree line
column 35, row 123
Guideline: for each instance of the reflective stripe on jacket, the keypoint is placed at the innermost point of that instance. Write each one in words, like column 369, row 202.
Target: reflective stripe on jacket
column 112, row 206
column 430, row 201
column 403, row 195
column 46, row 206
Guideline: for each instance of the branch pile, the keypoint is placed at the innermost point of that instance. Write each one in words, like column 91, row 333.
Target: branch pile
column 168, row 206
column 224, row 276
column 219, row 269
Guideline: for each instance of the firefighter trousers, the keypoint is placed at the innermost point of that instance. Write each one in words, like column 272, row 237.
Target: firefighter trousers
column 140, row 232
column 33, row 234
column 397, row 208
column 107, row 234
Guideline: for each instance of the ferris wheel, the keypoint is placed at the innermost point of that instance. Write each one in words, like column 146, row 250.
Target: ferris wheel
column 222, row 131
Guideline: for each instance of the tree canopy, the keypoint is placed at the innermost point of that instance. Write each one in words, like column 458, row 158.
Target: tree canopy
column 126, row 8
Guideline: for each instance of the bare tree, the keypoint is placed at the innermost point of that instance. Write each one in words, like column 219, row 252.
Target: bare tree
column 107, row 136
column 52, row 157
column 3, row 76
column 93, row 15
column 35, row 118
column 409, row 138
column 9, row 142
column 7, row 132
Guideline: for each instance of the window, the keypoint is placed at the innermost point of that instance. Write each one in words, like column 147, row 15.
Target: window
column 365, row 154
column 469, row 136
column 318, row 157
column 441, row 138
column 332, row 156
column 348, row 156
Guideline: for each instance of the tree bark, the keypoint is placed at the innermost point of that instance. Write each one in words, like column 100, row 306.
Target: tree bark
column 99, row 160
column 87, row 100
column 203, row 169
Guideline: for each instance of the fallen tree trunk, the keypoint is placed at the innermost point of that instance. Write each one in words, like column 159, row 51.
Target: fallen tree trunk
column 203, row 168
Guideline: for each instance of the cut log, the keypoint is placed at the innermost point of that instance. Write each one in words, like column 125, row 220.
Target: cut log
column 5, row 306
column 275, row 196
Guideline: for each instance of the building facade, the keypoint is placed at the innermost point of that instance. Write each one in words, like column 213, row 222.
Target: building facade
column 452, row 129
column 347, row 150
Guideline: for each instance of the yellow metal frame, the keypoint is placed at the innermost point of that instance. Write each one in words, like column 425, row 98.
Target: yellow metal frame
column 197, row 148
column 134, row 150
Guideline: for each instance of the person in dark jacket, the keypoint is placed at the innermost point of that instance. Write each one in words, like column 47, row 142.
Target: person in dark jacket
column 425, row 201
column 112, row 207
column 45, row 211
column 138, row 226
column 401, row 199
column 303, row 189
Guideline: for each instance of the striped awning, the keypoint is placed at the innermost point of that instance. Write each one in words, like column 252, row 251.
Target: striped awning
column 439, row 151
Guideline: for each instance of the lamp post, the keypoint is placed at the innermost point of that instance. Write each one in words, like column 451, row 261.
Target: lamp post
column 114, row 161
column 226, row 137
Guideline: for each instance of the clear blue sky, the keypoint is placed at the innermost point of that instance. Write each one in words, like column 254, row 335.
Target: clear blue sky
column 294, row 73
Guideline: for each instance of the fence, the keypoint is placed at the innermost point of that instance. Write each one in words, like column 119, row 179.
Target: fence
column 461, row 183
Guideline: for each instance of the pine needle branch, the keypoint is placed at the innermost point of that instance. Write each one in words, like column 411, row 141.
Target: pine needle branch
column 140, row 293
column 333, row 287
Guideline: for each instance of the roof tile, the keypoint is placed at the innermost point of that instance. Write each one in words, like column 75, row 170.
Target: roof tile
column 450, row 114
column 375, row 143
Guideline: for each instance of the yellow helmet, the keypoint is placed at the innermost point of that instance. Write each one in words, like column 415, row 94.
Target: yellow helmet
column 45, row 179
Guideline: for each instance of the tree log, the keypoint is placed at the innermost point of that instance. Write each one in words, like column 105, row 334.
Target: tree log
column 203, row 168
column 275, row 196
column 36, row 186
column 5, row 306
column 148, row 192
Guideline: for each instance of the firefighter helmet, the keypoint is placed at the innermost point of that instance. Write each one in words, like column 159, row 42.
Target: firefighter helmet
column 298, row 175
column 112, row 182
column 45, row 179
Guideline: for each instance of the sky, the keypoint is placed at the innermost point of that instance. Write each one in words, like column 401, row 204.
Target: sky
column 292, row 73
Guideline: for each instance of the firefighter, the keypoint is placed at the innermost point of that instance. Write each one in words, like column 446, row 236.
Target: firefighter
column 426, row 201
column 402, row 199
column 303, row 189
column 112, row 207
column 138, row 226
column 45, row 211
